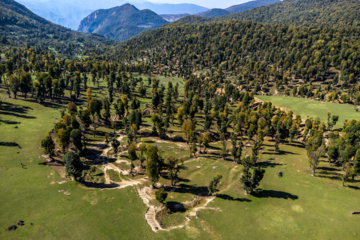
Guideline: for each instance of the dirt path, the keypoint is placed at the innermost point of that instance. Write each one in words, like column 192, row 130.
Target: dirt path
column 150, row 214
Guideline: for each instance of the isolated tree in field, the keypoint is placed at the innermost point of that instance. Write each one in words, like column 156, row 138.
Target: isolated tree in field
column 153, row 164
column 314, row 153
column 161, row 195
column 73, row 165
column 172, row 165
column 49, row 146
column 214, row 183
column 115, row 144
column 251, row 180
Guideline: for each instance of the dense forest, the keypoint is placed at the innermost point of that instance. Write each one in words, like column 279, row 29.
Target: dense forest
column 316, row 59
column 341, row 13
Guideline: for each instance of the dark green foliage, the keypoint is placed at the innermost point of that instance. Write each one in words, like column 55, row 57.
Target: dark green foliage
column 161, row 195
column 115, row 145
column 213, row 183
column 251, row 180
column 73, row 164
column 153, row 165
column 76, row 137
column 49, row 146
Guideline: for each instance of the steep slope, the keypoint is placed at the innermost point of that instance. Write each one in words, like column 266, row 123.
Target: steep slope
column 215, row 12
column 341, row 13
column 250, row 5
column 121, row 23
column 19, row 26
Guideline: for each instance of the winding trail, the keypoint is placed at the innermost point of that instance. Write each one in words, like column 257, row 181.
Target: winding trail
column 146, row 193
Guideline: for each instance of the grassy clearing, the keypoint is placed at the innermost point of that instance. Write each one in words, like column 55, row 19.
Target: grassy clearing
column 113, row 175
column 313, row 108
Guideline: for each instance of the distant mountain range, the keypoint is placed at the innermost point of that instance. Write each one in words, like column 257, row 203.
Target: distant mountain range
column 69, row 13
column 218, row 12
column 20, row 26
column 121, row 23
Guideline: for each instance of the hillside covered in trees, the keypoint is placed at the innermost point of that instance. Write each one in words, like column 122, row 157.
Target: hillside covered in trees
column 341, row 13
column 259, row 56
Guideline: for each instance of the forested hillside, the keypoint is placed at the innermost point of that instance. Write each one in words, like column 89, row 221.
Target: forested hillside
column 341, row 13
column 20, row 27
column 254, row 53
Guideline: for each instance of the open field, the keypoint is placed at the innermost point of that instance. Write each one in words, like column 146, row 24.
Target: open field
column 296, row 206
column 312, row 108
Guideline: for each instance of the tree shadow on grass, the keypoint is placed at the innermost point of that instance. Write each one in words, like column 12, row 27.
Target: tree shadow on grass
column 17, row 115
column 230, row 198
column 9, row 144
column 99, row 185
column 327, row 169
column 281, row 152
column 274, row 194
column 354, row 187
column 9, row 122
column 268, row 164
column 175, row 207
column 329, row 175
column 185, row 188
column 293, row 144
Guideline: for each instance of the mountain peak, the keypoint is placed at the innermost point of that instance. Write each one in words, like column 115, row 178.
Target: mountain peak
column 120, row 23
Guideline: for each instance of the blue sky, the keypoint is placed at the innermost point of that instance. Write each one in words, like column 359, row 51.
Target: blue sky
column 205, row 3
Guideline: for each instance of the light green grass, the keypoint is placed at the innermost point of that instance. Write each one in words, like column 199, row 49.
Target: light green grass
column 313, row 108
